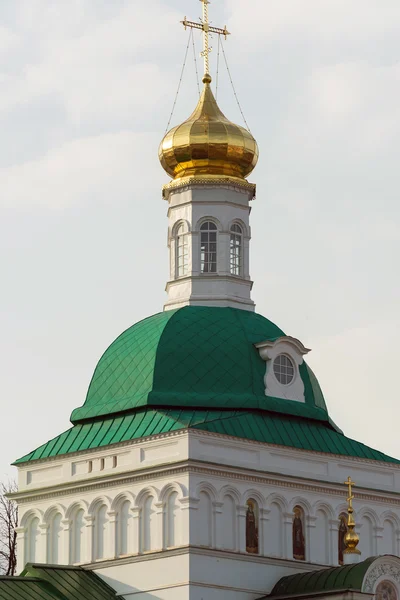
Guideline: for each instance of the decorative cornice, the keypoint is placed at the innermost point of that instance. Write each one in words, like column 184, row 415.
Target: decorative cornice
column 202, row 551
column 201, row 434
column 103, row 449
column 207, row 469
column 210, row 182
column 379, row 465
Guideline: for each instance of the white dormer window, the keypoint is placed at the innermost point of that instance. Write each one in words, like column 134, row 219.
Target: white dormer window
column 284, row 369
column 283, row 358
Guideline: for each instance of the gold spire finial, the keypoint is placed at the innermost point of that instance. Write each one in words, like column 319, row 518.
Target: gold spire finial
column 351, row 538
column 207, row 29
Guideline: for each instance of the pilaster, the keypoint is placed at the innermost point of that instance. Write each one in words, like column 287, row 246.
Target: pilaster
column 287, row 535
column 241, row 511
column 88, row 550
column 217, row 510
column 21, row 547
column 64, row 558
column 42, row 549
column 334, row 541
column 188, row 505
column 378, row 535
column 159, row 506
column 312, row 547
column 111, row 550
column 135, row 542
column 262, row 531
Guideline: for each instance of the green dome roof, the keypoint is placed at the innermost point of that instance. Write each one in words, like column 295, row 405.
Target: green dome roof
column 197, row 357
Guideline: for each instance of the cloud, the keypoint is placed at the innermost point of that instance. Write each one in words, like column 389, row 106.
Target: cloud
column 101, row 69
column 101, row 167
column 8, row 41
column 322, row 20
column 354, row 369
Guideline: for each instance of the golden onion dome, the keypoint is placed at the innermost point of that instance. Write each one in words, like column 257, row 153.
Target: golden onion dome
column 207, row 143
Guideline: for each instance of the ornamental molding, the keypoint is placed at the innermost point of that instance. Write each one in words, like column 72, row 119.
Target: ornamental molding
column 236, row 205
column 290, row 451
column 267, row 345
column 191, row 467
column 102, row 451
column 232, row 183
column 202, row 551
column 239, row 442
column 383, row 570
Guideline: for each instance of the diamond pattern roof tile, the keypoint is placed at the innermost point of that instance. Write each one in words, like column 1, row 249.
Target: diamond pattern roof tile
column 260, row 426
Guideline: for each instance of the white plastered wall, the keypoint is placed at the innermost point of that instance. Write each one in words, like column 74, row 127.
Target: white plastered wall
column 185, row 496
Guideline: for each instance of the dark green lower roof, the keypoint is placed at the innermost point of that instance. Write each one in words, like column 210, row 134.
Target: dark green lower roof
column 26, row 588
column 326, row 580
column 260, row 426
column 48, row 582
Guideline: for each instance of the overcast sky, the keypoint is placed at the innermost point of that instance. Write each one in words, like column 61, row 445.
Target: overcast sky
column 86, row 91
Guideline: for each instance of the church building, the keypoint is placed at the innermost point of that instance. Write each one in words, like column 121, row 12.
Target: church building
column 203, row 463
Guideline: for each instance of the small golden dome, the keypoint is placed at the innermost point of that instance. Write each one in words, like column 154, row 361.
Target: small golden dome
column 207, row 143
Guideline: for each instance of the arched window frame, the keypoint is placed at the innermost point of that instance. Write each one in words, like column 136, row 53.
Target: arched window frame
column 236, row 250
column 181, row 250
column 208, row 247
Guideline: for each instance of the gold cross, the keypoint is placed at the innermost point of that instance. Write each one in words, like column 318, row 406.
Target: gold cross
column 207, row 29
column 349, row 484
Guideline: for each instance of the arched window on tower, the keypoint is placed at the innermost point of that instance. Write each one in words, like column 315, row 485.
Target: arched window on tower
column 182, row 251
column 236, row 249
column 208, row 247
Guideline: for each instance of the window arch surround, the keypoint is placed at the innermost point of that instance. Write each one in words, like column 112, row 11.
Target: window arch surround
column 236, row 249
column 208, row 246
